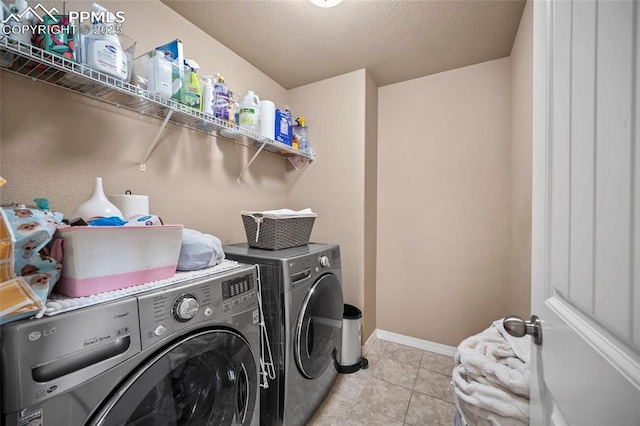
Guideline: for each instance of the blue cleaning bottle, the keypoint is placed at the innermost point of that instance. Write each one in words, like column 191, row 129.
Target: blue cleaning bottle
column 221, row 96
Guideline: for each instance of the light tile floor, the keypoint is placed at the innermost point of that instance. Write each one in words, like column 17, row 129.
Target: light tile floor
column 402, row 386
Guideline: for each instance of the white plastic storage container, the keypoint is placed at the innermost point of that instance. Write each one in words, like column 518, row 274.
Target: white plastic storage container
column 105, row 258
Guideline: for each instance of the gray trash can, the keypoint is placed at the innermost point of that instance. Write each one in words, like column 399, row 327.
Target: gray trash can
column 350, row 357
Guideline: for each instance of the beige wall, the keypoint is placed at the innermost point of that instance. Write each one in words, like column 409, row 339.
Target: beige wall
column 519, row 296
column 370, row 209
column 443, row 210
column 54, row 142
column 333, row 185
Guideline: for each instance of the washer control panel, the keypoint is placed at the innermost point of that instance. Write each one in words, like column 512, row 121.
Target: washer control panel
column 237, row 286
column 212, row 298
column 237, row 291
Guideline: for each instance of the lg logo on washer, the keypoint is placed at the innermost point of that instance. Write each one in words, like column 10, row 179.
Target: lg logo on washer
column 35, row 335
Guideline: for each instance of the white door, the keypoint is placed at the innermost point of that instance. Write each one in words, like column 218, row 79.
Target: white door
column 586, row 213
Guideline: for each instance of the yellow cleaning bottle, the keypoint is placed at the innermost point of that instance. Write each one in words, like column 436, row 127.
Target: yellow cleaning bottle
column 193, row 93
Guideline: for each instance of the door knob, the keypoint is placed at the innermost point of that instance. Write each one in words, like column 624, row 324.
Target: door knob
column 518, row 327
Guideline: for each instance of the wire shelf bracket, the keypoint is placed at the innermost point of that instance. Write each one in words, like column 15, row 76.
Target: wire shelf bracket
column 246, row 167
column 143, row 163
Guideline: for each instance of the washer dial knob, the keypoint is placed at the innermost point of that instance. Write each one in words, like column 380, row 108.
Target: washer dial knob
column 185, row 307
column 324, row 261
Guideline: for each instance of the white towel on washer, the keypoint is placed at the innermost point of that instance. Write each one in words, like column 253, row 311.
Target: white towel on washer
column 490, row 380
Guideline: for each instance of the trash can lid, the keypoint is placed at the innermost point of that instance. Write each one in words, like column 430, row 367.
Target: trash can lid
column 351, row 312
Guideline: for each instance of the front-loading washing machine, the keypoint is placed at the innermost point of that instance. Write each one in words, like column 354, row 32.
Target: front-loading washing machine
column 303, row 308
column 186, row 354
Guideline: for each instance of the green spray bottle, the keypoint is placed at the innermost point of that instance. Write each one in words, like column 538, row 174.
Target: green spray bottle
column 193, row 93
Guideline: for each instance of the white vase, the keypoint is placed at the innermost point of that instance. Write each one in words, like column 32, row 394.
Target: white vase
column 96, row 206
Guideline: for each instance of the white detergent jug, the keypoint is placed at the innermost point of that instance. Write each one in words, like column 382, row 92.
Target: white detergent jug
column 250, row 113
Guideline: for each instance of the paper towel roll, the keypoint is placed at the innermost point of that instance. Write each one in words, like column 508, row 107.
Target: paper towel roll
column 131, row 205
column 268, row 119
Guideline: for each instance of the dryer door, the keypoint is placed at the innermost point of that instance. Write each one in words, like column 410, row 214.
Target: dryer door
column 319, row 327
column 207, row 378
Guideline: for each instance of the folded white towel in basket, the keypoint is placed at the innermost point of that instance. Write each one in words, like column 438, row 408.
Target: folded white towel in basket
column 491, row 378
column 288, row 212
column 280, row 213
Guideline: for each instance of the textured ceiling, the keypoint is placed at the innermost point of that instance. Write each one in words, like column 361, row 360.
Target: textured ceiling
column 296, row 43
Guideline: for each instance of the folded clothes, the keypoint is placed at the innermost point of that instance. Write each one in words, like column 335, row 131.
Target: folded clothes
column 280, row 213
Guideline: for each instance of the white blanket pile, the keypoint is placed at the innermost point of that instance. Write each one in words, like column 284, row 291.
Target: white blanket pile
column 491, row 378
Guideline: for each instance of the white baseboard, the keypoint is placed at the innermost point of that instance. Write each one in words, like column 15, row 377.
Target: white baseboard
column 369, row 343
column 411, row 342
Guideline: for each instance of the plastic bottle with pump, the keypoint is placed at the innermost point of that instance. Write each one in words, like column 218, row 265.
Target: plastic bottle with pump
column 193, row 94
column 250, row 112
column 208, row 94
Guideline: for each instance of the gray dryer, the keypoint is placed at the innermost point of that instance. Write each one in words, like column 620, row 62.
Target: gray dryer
column 303, row 308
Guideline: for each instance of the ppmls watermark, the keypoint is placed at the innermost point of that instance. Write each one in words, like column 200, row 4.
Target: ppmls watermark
column 97, row 23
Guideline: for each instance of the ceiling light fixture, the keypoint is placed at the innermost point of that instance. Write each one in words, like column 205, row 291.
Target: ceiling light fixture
column 326, row 3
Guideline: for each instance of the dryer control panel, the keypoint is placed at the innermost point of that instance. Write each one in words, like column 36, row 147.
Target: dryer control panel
column 309, row 266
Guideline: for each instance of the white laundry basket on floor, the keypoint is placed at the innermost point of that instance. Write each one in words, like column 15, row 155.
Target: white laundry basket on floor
column 491, row 378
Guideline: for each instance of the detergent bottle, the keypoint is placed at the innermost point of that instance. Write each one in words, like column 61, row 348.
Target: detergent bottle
column 208, row 94
column 250, row 112
column 104, row 52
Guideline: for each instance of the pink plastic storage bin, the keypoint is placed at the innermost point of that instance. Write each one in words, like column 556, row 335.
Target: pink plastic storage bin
column 106, row 258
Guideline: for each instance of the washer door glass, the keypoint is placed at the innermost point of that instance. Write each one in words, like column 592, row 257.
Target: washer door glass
column 204, row 379
column 319, row 327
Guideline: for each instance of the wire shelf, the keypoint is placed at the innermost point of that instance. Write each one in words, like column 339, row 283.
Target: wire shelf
column 40, row 65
